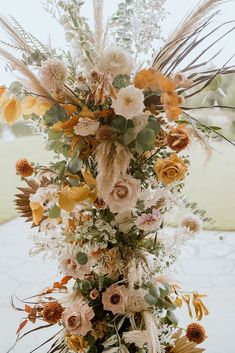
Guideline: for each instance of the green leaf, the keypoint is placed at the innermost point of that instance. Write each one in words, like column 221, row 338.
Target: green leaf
column 215, row 83
column 82, row 258
column 55, row 212
column 150, row 299
column 119, row 123
column 129, row 136
column 74, row 165
column 61, row 170
column 172, row 317
column 55, row 114
column 146, row 138
column 121, row 81
column 216, row 128
column 139, row 148
column 154, row 291
column 164, row 290
column 154, row 124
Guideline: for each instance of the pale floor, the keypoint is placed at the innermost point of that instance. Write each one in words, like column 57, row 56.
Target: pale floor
column 206, row 264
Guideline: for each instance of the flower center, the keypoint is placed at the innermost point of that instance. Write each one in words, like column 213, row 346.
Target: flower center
column 115, row 299
column 128, row 100
column 74, row 320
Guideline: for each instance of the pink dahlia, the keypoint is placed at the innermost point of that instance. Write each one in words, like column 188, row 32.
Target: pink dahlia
column 150, row 221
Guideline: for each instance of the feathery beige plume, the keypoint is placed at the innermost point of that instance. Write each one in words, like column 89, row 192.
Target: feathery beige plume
column 186, row 28
column 113, row 159
column 32, row 81
column 152, row 330
column 17, row 38
column 98, row 6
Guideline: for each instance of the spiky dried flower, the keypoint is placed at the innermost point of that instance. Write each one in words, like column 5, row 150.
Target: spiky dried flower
column 52, row 312
column 196, row 333
column 24, row 168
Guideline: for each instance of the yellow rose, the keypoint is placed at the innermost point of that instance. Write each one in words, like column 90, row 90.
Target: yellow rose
column 170, row 169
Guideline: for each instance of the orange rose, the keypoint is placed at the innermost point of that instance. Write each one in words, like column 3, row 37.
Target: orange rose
column 170, row 169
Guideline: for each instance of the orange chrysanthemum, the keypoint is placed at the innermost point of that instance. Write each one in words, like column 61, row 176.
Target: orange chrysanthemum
column 196, row 333
column 24, row 168
column 52, row 312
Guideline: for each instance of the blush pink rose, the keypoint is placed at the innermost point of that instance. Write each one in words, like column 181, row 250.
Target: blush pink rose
column 124, row 195
column 115, row 299
column 77, row 318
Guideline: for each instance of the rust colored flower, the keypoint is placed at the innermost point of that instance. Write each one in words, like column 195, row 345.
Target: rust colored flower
column 100, row 204
column 106, row 132
column 178, row 138
column 52, row 312
column 88, row 147
column 196, row 333
column 24, row 168
column 161, row 139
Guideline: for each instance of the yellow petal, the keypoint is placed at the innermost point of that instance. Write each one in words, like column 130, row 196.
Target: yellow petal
column 66, row 199
column 80, row 193
column 88, row 177
column 2, row 90
column 29, row 105
column 11, row 110
column 37, row 212
column 43, row 105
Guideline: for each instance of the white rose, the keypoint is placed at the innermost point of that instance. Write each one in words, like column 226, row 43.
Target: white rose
column 136, row 301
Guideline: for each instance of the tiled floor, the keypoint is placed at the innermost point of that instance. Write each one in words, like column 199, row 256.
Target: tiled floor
column 206, row 264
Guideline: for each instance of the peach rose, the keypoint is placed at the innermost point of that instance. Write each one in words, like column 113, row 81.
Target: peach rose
column 115, row 298
column 170, row 169
column 77, row 318
column 123, row 195
column 136, row 302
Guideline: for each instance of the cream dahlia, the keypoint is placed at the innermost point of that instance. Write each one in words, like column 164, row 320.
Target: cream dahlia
column 117, row 61
column 53, row 73
column 129, row 102
column 150, row 221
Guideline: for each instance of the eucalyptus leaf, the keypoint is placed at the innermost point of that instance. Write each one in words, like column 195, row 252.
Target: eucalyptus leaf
column 82, row 258
column 150, row 299
column 154, row 124
column 119, row 123
column 55, row 212
column 121, row 81
column 74, row 165
column 129, row 136
column 172, row 317
column 55, row 114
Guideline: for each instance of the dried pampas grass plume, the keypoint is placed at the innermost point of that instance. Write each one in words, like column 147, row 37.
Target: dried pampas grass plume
column 32, row 81
column 113, row 159
column 152, row 332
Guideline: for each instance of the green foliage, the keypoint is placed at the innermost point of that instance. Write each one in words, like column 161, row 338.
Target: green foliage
column 74, row 165
column 55, row 212
column 82, row 258
column 145, row 139
column 121, row 81
column 119, row 123
column 55, row 114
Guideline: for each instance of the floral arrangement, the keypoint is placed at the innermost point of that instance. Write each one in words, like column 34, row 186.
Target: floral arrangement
column 119, row 129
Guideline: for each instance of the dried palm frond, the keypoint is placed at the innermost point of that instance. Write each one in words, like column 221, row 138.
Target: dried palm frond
column 187, row 37
column 32, row 81
column 22, row 200
column 182, row 345
column 192, row 23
